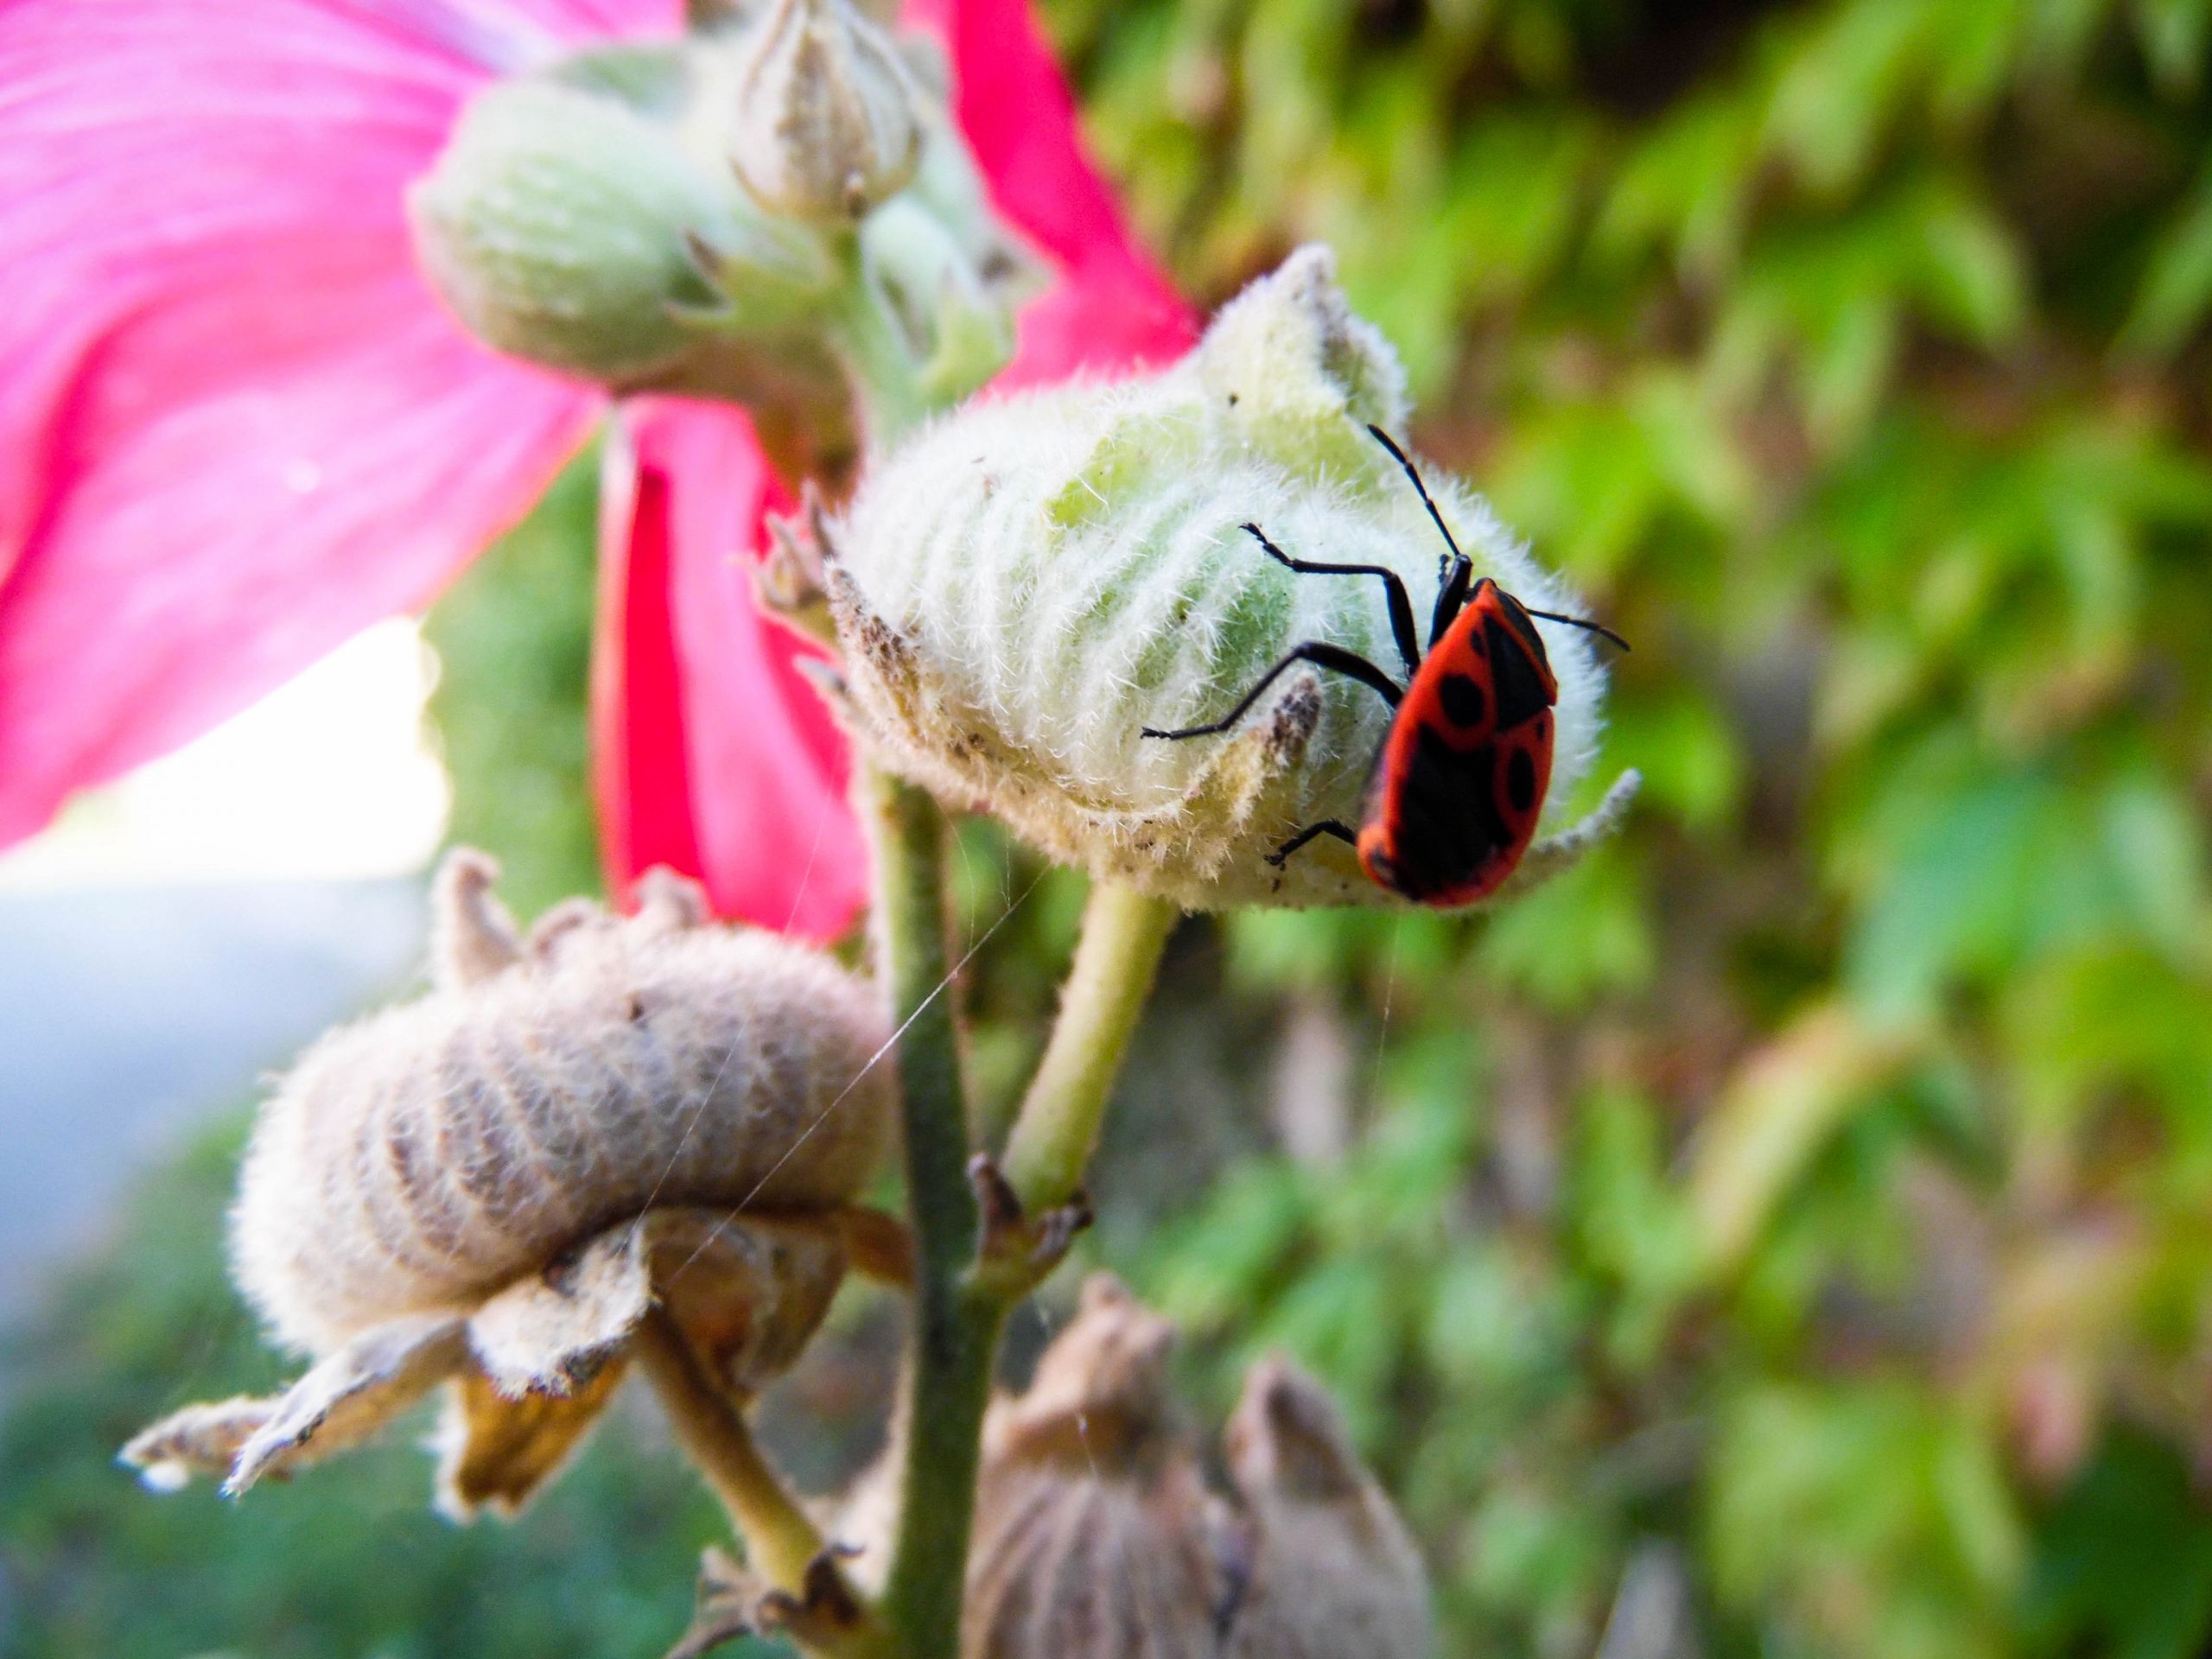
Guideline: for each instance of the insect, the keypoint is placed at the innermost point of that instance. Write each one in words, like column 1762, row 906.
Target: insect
column 1453, row 797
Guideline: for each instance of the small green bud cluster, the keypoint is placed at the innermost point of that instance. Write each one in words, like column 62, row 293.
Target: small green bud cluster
column 766, row 210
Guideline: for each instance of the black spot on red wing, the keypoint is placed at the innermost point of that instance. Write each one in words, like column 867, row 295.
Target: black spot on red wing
column 1516, row 682
column 1520, row 780
column 1464, row 701
column 1444, row 815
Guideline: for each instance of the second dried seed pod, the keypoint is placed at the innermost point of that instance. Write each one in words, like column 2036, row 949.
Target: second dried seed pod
column 1097, row 1536
column 610, row 1121
column 546, row 1089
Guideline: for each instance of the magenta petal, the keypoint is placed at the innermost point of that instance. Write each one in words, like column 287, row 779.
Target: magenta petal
column 1111, row 308
column 234, row 427
column 224, row 524
column 714, row 752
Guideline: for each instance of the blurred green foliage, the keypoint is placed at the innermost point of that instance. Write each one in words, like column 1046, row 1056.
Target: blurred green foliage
column 1790, row 1233
column 1808, row 1197
column 513, row 642
column 349, row 1561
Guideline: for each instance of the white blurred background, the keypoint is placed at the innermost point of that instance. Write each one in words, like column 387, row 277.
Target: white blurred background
column 180, row 933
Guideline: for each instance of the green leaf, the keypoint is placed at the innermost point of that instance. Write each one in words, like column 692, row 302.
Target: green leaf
column 1960, row 881
column 2176, row 288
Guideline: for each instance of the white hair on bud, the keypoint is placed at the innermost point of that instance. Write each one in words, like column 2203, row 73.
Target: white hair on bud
column 1030, row 583
column 423, row 1157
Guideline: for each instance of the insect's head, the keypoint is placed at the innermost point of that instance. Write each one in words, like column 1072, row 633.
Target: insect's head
column 1457, row 561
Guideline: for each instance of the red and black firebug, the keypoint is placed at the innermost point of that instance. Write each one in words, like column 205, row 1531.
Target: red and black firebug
column 1452, row 800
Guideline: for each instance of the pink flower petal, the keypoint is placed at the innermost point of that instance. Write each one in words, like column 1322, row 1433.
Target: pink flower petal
column 712, row 752
column 1111, row 307
column 234, row 427
column 220, row 527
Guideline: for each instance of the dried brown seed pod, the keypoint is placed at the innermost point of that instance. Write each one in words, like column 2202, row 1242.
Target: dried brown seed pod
column 546, row 1089
column 491, row 1187
column 1095, row 1537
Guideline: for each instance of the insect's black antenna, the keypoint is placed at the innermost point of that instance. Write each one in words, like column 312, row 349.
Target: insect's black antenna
column 1399, row 456
column 1580, row 622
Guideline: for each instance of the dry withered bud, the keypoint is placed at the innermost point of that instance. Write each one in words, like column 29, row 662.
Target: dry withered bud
column 491, row 1186
column 1097, row 1538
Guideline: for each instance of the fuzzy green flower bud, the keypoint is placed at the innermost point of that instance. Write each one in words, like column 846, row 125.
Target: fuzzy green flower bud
column 559, row 224
column 776, row 210
column 1028, row 585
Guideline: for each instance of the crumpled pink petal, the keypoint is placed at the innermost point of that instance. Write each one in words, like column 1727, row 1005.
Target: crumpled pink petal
column 235, row 428
column 715, row 755
column 711, row 751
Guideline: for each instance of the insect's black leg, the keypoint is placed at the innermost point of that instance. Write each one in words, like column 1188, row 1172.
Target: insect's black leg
column 1451, row 597
column 1402, row 608
column 1319, row 653
column 1326, row 827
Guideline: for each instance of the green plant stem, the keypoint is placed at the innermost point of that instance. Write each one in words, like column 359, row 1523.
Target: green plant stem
column 1056, row 1129
column 949, row 1375
column 959, row 1317
column 886, row 378
column 779, row 1539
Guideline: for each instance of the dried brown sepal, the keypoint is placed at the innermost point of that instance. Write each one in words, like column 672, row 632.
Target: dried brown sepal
column 553, row 1332
column 496, row 1449
column 790, row 581
column 199, row 1440
column 1018, row 1252
column 880, row 1246
column 724, row 1606
column 471, row 936
column 351, row 1394
column 748, row 1293
column 824, row 1617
